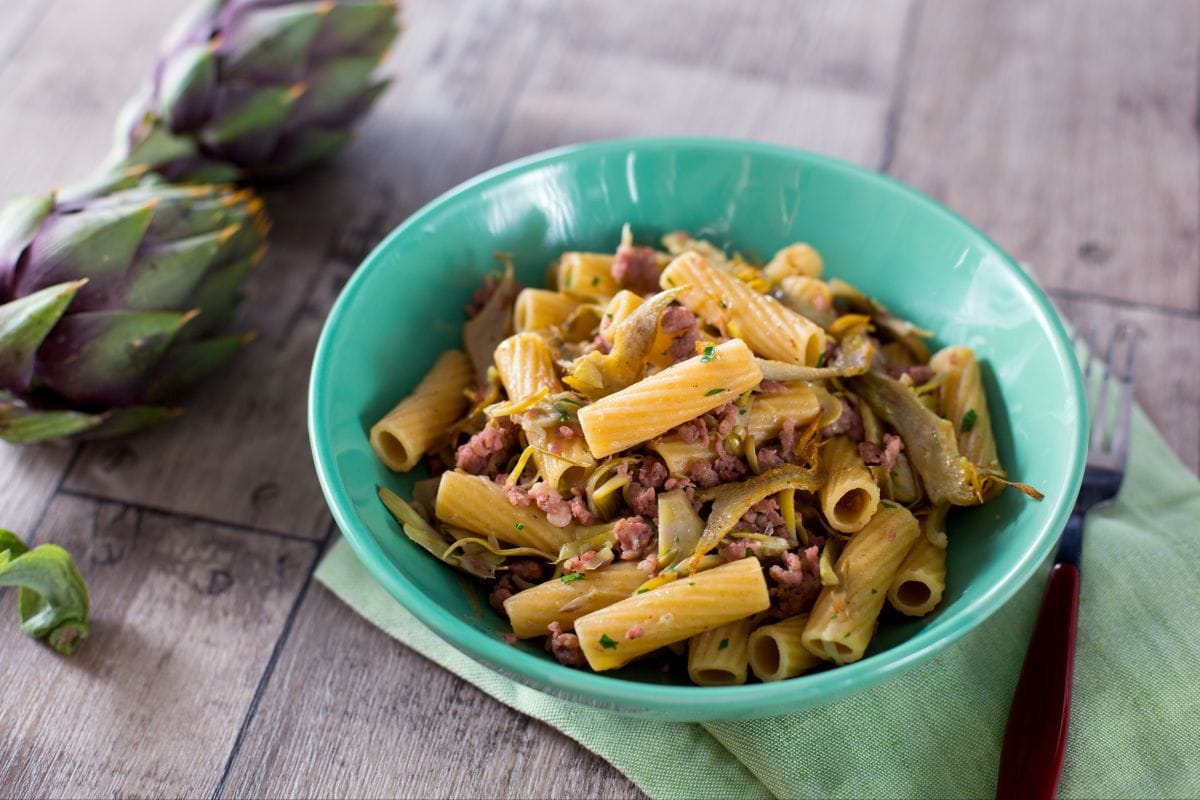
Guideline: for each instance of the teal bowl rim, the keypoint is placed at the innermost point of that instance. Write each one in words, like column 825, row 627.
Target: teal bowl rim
column 667, row 701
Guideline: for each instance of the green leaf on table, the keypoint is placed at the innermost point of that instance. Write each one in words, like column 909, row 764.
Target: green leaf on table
column 53, row 602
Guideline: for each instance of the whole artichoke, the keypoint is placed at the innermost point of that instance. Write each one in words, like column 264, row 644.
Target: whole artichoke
column 257, row 88
column 113, row 296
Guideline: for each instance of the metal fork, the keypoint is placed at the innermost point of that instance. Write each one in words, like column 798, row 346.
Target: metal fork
column 1035, row 739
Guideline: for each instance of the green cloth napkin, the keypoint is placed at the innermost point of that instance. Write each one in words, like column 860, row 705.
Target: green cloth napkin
column 936, row 730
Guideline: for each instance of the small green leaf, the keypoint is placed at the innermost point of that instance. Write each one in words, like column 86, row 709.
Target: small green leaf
column 607, row 642
column 641, row 591
column 596, row 280
column 724, row 644
column 670, row 280
column 709, row 353
column 968, row 420
column 520, row 526
column 711, row 392
column 572, row 576
column 886, row 504
column 874, row 590
column 821, row 360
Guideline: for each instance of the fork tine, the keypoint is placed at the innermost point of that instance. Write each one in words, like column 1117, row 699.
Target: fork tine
column 1100, row 415
column 1120, row 437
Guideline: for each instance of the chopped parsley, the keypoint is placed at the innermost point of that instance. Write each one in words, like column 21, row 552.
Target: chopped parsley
column 968, row 420
column 520, row 526
column 670, row 280
column 571, row 576
column 886, row 504
column 711, row 392
column 570, row 400
column 821, row 360
column 641, row 591
column 567, row 283
column 710, row 352
column 691, row 583
column 608, row 315
column 724, row 304
column 834, row 617
column 724, row 643
column 596, row 280
column 874, row 590
column 607, row 641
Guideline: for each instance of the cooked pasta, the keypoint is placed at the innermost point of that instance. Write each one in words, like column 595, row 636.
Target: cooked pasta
column 681, row 454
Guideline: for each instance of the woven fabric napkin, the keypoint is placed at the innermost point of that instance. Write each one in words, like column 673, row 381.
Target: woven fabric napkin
column 935, row 731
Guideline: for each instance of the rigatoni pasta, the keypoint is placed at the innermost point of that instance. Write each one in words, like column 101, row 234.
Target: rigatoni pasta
column 684, row 455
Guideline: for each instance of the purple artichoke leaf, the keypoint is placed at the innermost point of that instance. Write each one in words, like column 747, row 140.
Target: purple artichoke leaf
column 219, row 295
column 54, row 603
column 97, row 243
column 187, row 87
column 187, row 363
column 104, row 358
column 24, row 325
column 269, row 45
column 19, row 221
column 198, row 23
column 153, row 146
column 130, row 419
column 334, row 87
column 355, row 29
column 250, row 121
column 165, row 276
column 20, row 424
column 302, row 150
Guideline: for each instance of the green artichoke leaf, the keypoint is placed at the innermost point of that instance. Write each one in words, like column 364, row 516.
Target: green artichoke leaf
column 19, row 221
column 53, row 602
column 254, row 117
column 24, row 325
column 104, row 357
column 188, row 86
column 20, row 424
column 334, row 89
column 365, row 27
column 167, row 274
column 98, row 243
column 597, row 374
column 272, row 44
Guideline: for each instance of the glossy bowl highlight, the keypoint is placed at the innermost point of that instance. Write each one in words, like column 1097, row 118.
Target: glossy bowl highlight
column 404, row 306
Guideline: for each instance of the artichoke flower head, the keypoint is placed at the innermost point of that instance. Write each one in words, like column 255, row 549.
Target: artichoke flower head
column 251, row 89
column 113, row 298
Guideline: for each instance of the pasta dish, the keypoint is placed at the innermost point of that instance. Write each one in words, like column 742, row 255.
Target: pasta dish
column 677, row 455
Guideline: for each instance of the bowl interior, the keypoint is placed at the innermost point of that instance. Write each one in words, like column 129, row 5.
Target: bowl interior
column 404, row 306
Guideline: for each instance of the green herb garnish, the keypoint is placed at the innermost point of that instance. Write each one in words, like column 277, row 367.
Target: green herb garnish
column 670, row 280
column 886, row 504
column 874, row 590
column 596, row 280
column 641, row 591
column 709, row 353
column 711, row 392
column 520, row 526
column 571, row 576
column 724, row 643
column 968, row 420
column 821, row 360
column 607, row 642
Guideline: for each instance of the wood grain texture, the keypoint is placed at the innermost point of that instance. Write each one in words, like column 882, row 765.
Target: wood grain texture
column 775, row 71
column 28, row 478
column 241, row 454
column 184, row 618
column 1168, row 365
column 18, row 18
column 1066, row 131
column 351, row 713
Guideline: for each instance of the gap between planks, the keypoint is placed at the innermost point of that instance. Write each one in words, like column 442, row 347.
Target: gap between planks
column 891, row 128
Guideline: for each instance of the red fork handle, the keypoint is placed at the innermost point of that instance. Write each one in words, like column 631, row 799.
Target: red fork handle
column 1035, row 738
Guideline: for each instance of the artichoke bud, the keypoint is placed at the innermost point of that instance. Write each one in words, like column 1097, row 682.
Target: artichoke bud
column 112, row 297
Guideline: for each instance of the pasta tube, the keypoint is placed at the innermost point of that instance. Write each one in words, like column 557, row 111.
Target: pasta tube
column 417, row 421
column 564, row 600
column 770, row 329
column 718, row 657
column 538, row 309
column 921, row 579
column 849, row 496
column 799, row 404
column 961, row 400
column 658, row 403
column 478, row 504
column 679, row 610
column 842, row 621
column 621, row 306
column 795, row 259
column 777, row 652
column 587, row 276
column 526, row 366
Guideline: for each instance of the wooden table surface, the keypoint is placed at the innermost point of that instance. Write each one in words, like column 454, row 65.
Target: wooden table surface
column 1067, row 131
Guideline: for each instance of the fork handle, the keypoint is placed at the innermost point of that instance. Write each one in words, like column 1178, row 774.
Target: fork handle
column 1035, row 738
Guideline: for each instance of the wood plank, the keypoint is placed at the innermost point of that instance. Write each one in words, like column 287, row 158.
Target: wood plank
column 1168, row 366
column 815, row 75
column 240, row 454
column 18, row 18
column 76, row 69
column 184, row 618
column 29, row 476
column 1066, row 131
column 350, row 712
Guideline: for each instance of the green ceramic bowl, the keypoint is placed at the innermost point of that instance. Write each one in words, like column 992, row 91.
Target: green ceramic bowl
column 404, row 306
